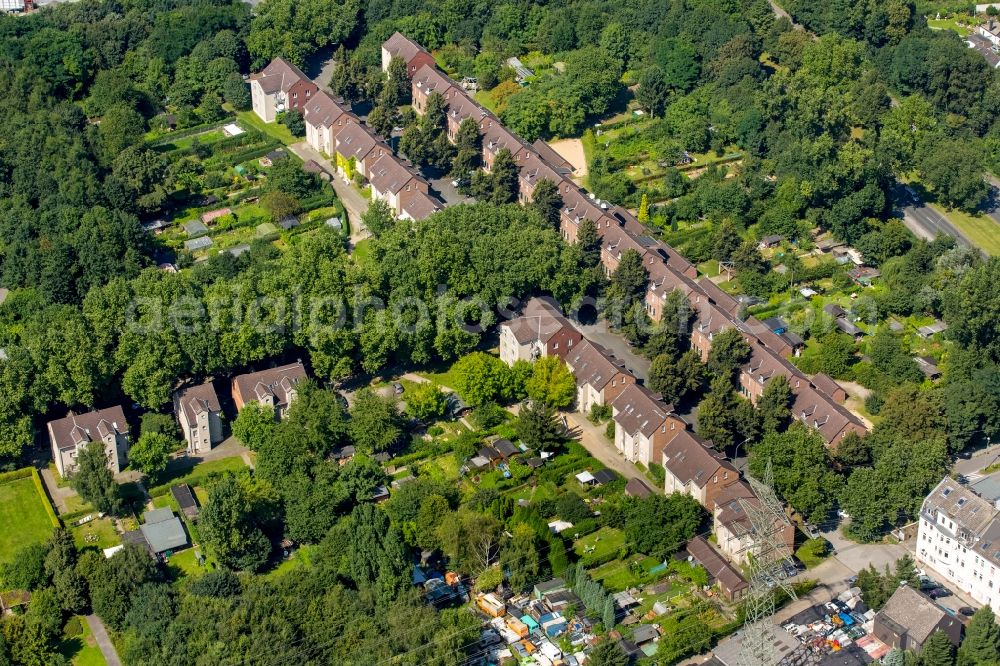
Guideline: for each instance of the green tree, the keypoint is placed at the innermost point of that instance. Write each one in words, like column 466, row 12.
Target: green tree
column 660, row 525
column 653, row 91
column 375, row 422
column 938, row 650
column 628, row 281
column 551, row 382
column 547, row 202
column 254, row 425
column 230, row 523
column 378, row 218
column 954, row 169
column 481, row 378
column 120, row 128
column 643, row 213
column 503, row 178
column 589, row 242
column 426, row 402
column 94, row 480
column 520, row 557
column 607, row 653
column 296, row 29
column 775, row 404
column 981, row 644
column 151, row 453
column 802, row 468
column 728, row 353
column 26, row 569
column 397, row 78
column 292, row 119
column 537, row 425
column 676, row 380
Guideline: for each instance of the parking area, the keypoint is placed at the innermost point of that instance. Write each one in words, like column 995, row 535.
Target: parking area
column 447, row 192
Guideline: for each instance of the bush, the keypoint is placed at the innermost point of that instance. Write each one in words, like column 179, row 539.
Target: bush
column 609, row 432
column 873, row 403
column 599, row 413
column 73, row 627
column 489, row 415
column 658, row 473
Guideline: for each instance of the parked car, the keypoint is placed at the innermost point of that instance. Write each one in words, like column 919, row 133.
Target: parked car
column 397, row 388
column 939, row 593
column 967, row 611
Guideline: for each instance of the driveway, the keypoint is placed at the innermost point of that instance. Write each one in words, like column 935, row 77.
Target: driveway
column 103, row 640
column 599, row 333
column 58, row 494
column 354, row 203
column 592, row 438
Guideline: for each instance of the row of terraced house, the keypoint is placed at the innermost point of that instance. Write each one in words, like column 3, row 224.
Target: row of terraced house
column 333, row 130
column 647, row 430
column 816, row 400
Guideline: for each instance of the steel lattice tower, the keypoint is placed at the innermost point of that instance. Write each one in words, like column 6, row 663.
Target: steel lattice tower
column 767, row 556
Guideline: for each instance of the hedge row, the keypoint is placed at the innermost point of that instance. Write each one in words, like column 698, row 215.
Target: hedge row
column 53, row 518
column 170, row 137
column 16, row 474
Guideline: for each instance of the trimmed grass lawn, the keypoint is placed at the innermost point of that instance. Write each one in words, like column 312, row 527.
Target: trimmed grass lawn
column 184, row 563
column 600, row 543
column 362, row 252
column 299, row 558
column 619, row 575
column 443, row 377
column 981, row 229
column 709, row 268
column 949, row 24
column 99, row 533
column 82, row 650
column 23, row 519
column 275, row 129
column 196, row 474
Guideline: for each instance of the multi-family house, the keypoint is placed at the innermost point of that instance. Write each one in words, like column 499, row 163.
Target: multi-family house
column 324, row 117
column 958, row 536
column 427, row 81
column 414, row 55
column 577, row 205
column 275, row 388
column 709, row 322
column 417, row 205
column 615, row 242
column 461, row 107
column 390, row 178
column 662, row 281
column 600, row 377
column 532, row 170
column 733, row 531
column 68, row 437
column 352, row 145
column 540, row 330
column 496, row 138
column 281, row 86
column 644, row 425
column 199, row 414
column 692, row 467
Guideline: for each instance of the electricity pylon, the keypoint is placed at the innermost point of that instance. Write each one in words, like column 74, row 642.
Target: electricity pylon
column 768, row 555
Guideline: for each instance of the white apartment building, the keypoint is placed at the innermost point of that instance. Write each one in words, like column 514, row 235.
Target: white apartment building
column 959, row 538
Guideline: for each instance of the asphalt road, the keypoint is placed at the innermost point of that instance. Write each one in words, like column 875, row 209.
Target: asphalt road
column 923, row 220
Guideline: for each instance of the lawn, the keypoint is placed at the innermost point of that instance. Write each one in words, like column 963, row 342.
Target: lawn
column 949, row 24
column 621, row 575
column 441, row 376
column 98, row 533
column 362, row 252
column 981, row 229
column 185, row 563
column 599, row 544
column 23, row 519
column 299, row 558
column 205, row 138
column 81, row 649
column 275, row 129
column 195, row 475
